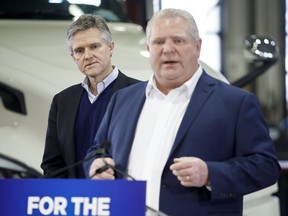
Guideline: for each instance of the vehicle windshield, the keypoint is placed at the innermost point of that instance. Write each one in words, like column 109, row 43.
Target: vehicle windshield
column 111, row 10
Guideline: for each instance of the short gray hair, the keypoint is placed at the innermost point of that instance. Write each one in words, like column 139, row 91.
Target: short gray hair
column 85, row 22
column 173, row 13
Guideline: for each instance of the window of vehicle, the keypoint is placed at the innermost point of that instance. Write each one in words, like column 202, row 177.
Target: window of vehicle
column 111, row 10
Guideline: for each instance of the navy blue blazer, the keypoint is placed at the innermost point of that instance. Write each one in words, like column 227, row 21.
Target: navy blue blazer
column 223, row 125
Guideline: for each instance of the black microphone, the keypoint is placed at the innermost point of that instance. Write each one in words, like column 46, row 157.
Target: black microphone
column 100, row 151
column 107, row 166
column 150, row 211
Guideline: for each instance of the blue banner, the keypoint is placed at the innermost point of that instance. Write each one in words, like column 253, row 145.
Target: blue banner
column 72, row 197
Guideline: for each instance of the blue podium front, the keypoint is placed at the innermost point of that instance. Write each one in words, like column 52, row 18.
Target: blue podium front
column 72, row 197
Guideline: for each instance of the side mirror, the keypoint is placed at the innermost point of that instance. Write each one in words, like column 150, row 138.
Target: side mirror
column 261, row 49
column 12, row 99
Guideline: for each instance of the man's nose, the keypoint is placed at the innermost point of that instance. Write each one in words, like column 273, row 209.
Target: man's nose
column 168, row 47
column 87, row 53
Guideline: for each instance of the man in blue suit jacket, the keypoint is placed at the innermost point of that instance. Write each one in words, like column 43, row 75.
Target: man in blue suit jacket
column 200, row 143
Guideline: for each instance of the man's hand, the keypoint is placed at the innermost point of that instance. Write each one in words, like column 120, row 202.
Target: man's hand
column 190, row 171
column 99, row 163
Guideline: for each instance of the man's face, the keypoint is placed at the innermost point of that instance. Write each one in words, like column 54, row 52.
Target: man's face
column 173, row 51
column 91, row 54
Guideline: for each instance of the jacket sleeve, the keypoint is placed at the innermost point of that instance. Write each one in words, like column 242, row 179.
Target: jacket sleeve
column 52, row 158
column 255, row 165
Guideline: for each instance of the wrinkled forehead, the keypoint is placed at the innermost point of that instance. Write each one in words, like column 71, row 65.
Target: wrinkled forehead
column 168, row 21
column 169, row 26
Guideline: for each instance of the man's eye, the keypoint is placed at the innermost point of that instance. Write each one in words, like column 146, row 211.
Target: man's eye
column 78, row 52
column 180, row 41
column 158, row 42
column 94, row 46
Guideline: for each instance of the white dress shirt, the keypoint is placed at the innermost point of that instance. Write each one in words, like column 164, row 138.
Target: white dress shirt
column 156, row 130
column 100, row 86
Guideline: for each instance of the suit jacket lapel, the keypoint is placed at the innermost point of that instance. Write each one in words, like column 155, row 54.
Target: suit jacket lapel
column 203, row 90
column 121, row 81
column 70, row 121
column 133, row 112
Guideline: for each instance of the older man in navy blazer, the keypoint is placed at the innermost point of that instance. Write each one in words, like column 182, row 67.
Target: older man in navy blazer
column 200, row 143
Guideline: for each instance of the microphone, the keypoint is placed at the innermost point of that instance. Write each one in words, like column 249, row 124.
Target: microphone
column 100, row 151
column 149, row 211
column 107, row 166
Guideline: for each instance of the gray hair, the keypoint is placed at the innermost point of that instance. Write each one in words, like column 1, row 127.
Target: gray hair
column 173, row 13
column 85, row 22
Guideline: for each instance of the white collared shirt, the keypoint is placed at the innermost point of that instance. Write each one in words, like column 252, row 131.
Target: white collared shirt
column 156, row 130
column 100, row 86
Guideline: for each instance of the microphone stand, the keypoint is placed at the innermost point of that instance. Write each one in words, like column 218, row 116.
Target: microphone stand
column 149, row 211
column 100, row 151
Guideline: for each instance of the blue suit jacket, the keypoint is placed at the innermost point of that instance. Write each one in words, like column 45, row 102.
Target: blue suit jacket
column 223, row 125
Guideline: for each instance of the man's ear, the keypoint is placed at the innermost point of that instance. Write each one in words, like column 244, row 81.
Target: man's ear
column 199, row 43
column 73, row 57
column 111, row 46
